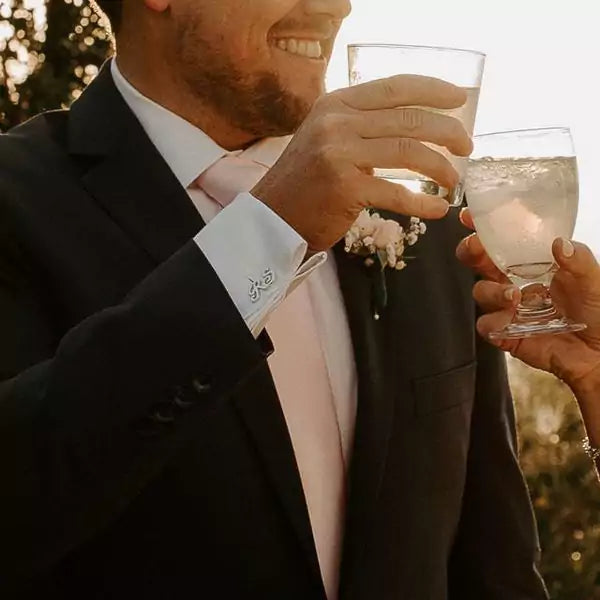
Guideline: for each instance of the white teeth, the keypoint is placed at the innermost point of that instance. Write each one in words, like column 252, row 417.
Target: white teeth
column 292, row 46
column 314, row 49
column 308, row 48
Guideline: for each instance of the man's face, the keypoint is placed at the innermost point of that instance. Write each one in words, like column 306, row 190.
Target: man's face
column 260, row 63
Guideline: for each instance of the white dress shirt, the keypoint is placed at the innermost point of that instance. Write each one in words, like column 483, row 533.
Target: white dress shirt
column 245, row 238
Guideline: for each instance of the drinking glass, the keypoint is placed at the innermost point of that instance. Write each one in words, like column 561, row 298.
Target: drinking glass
column 464, row 68
column 522, row 191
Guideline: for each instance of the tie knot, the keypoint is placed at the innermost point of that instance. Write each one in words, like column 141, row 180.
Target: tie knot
column 229, row 177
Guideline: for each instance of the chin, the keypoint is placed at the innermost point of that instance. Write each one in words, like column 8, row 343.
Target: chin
column 308, row 99
column 306, row 93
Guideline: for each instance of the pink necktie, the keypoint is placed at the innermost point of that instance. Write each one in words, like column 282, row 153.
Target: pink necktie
column 300, row 373
column 230, row 176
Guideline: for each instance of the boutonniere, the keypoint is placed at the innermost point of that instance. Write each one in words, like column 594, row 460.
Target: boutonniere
column 381, row 243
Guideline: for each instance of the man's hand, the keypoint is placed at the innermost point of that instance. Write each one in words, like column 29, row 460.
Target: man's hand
column 575, row 289
column 324, row 179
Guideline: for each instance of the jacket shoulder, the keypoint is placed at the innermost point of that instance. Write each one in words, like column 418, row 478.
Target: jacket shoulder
column 27, row 149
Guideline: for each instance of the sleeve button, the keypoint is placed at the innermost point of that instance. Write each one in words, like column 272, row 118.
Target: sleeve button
column 200, row 387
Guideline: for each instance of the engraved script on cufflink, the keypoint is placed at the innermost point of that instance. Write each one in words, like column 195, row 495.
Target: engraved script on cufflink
column 258, row 286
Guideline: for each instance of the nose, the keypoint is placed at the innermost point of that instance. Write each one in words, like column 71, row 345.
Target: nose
column 337, row 9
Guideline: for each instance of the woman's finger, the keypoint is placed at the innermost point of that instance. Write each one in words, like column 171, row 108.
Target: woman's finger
column 466, row 219
column 493, row 297
column 577, row 259
column 471, row 253
column 495, row 321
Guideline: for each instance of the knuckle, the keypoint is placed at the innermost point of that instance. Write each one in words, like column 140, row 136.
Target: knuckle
column 329, row 154
column 388, row 89
column 412, row 119
column 350, row 211
column 329, row 126
column 406, row 147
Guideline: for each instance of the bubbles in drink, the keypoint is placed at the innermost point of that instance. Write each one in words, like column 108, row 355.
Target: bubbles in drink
column 519, row 207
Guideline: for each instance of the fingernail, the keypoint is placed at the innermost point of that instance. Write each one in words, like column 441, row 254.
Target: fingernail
column 568, row 249
column 509, row 294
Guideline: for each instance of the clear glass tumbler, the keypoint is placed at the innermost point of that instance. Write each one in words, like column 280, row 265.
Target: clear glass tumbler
column 464, row 68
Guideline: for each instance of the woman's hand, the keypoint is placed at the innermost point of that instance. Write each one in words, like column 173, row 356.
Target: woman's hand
column 575, row 289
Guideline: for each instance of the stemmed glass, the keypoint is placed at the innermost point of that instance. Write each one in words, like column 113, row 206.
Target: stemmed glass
column 522, row 191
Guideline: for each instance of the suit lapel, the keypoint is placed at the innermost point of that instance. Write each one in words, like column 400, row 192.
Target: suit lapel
column 375, row 408
column 128, row 177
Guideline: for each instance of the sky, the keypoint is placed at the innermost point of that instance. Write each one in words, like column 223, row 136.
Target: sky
column 542, row 69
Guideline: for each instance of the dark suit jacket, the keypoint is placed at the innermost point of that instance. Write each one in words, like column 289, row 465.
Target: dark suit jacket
column 143, row 451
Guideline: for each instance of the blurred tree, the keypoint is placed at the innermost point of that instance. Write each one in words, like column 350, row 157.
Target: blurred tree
column 48, row 53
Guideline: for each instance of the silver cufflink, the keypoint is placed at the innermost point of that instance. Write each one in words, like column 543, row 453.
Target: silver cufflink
column 258, row 286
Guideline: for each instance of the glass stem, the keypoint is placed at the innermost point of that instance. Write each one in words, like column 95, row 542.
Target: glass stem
column 536, row 304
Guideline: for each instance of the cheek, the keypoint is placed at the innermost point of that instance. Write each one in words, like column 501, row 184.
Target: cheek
column 248, row 44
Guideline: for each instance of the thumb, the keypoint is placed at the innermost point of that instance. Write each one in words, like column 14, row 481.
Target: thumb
column 576, row 258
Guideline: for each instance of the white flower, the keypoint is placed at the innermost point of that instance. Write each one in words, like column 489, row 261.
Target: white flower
column 366, row 223
column 388, row 233
column 352, row 237
column 392, row 259
column 382, row 241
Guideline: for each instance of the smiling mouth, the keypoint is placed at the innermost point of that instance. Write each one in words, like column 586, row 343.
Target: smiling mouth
column 299, row 47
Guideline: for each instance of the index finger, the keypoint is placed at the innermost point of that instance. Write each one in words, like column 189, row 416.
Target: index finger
column 403, row 90
column 471, row 253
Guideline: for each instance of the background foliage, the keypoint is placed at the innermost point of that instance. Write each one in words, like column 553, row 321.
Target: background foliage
column 562, row 481
column 50, row 51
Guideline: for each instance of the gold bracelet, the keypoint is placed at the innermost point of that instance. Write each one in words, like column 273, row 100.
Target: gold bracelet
column 593, row 453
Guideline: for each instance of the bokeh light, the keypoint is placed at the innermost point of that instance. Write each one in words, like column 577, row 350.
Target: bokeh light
column 24, row 31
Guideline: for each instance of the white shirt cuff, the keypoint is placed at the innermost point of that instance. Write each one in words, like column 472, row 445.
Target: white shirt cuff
column 257, row 256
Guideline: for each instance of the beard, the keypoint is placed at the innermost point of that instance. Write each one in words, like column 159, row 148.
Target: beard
column 257, row 103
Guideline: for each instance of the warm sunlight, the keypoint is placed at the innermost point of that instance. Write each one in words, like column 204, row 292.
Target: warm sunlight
column 541, row 69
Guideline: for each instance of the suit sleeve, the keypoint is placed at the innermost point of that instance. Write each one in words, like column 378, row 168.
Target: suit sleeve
column 87, row 419
column 496, row 548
